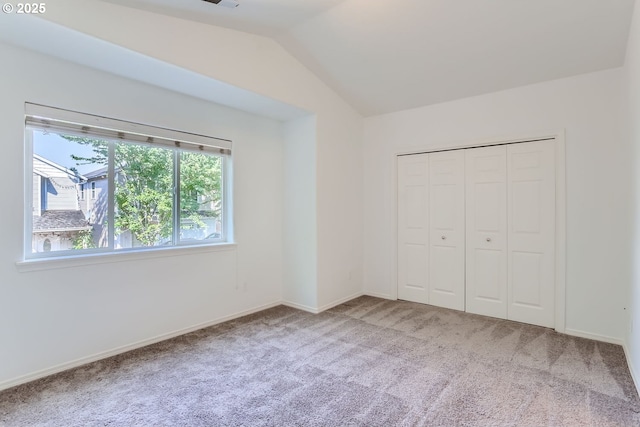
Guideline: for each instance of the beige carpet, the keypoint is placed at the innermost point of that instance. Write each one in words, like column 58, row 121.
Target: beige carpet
column 368, row 362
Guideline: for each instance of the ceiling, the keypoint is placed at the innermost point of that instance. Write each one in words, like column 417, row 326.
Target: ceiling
column 385, row 56
column 263, row 17
column 52, row 39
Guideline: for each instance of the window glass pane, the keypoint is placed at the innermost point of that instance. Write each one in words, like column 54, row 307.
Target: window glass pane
column 200, row 197
column 158, row 195
column 143, row 196
column 63, row 219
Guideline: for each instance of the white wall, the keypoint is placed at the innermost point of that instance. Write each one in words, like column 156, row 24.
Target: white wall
column 323, row 177
column 300, row 285
column 632, row 70
column 323, row 216
column 260, row 65
column 590, row 108
column 339, row 186
column 53, row 317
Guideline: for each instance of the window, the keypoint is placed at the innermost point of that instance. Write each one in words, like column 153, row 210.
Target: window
column 150, row 187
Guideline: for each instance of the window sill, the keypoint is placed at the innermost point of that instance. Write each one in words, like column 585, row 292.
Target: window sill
column 115, row 257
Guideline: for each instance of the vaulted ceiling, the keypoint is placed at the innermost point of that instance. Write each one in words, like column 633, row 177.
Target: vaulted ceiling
column 385, row 56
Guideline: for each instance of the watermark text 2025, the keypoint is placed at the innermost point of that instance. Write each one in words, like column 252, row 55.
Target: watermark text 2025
column 25, row 8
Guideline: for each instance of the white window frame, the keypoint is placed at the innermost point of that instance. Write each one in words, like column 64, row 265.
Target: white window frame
column 182, row 142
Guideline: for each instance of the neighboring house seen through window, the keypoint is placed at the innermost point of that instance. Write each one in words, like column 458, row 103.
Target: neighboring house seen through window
column 150, row 187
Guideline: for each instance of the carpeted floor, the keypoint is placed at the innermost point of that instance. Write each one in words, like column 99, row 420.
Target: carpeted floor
column 368, row 362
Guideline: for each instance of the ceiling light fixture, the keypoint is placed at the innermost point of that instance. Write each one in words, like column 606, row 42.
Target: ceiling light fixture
column 225, row 3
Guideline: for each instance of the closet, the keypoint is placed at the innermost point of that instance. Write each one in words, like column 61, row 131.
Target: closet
column 476, row 230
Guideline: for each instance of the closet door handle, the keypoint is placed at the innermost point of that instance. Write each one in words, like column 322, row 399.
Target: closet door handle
column 488, row 239
column 444, row 237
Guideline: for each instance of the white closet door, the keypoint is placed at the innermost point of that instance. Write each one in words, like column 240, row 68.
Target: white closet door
column 486, row 245
column 531, row 237
column 413, row 227
column 447, row 236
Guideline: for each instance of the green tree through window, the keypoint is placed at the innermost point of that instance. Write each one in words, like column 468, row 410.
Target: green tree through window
column 144, row 188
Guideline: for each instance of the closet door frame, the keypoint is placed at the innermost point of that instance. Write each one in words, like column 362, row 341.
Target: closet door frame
column 561, row 200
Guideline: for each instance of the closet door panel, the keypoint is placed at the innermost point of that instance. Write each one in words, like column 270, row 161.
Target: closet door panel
column 413, row 227
column 446, row 230
column 486, row 231
column 531, row 196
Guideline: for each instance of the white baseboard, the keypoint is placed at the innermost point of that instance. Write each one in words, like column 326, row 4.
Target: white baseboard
column 340, row 301
column 634, row 376
column 317, row 310
column 301, row 307
column 595, row 337
column 378, row 295
column 123, row 349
